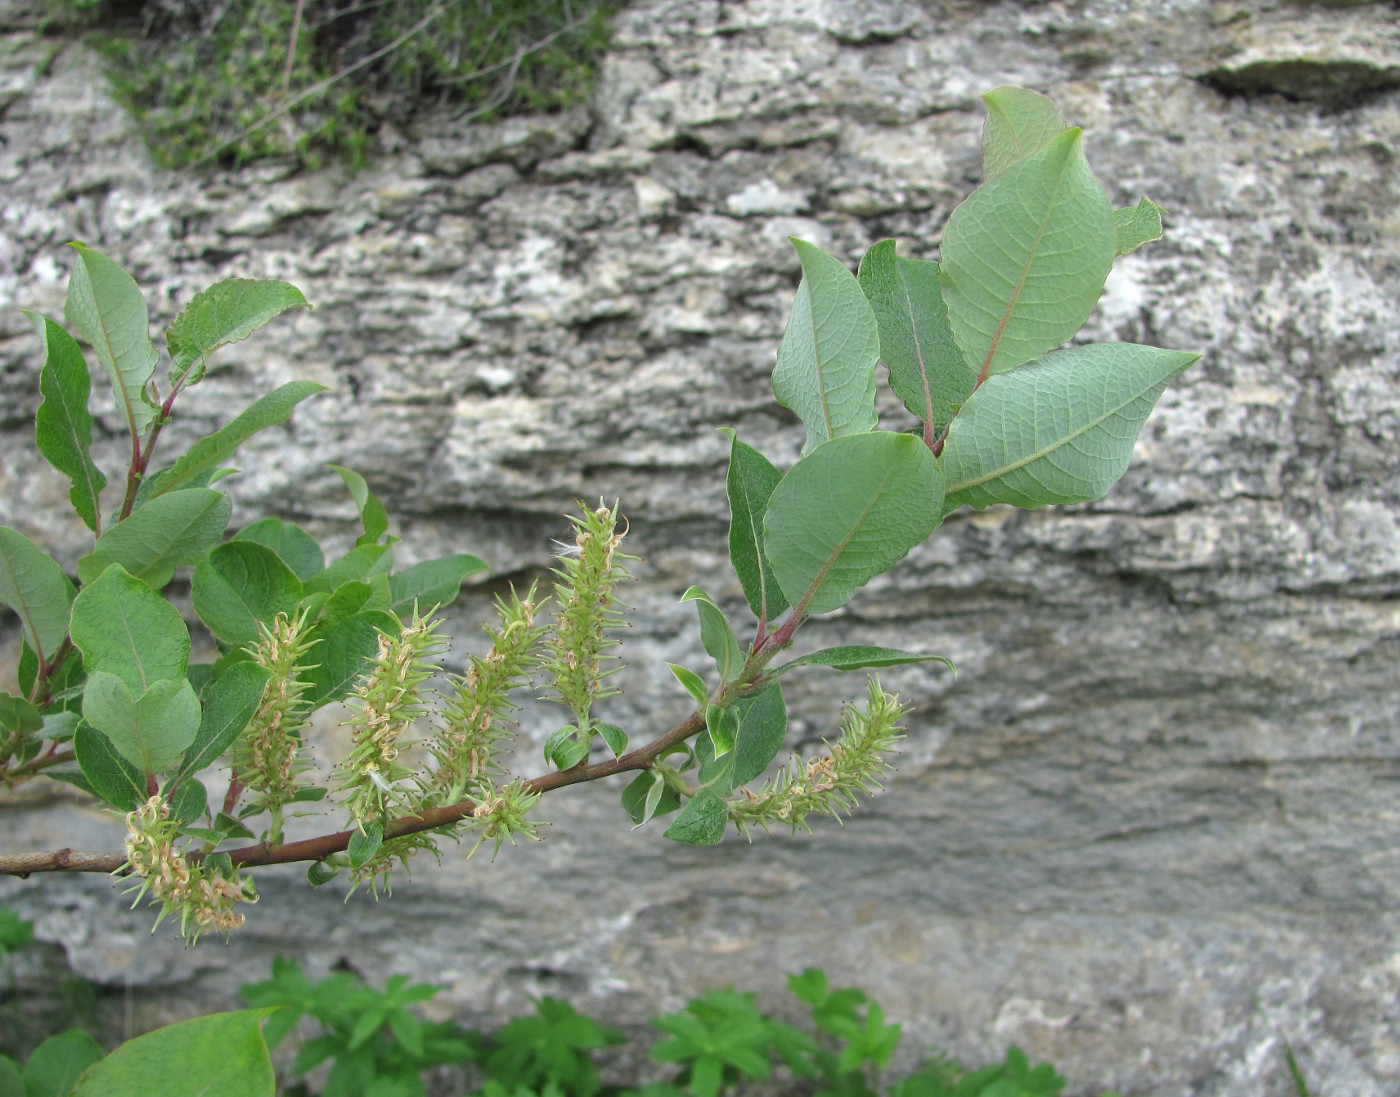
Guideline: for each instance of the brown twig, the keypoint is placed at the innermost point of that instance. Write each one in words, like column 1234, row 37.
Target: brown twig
column 317, row 849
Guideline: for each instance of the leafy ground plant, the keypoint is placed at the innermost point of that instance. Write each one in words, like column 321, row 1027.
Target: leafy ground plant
column 244, row 79
column 108, row 700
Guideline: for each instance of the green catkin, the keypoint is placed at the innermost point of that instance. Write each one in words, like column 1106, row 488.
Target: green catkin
column 388, row 700
column 829, row 784
column 265, row 757
column 202, row 896
column 574, row 656
column 474, row 718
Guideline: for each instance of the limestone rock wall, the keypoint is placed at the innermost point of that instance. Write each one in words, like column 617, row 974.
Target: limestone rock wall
column 1151, row 824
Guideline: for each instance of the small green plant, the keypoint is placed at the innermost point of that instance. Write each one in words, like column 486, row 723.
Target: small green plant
column 108, row 700
column 246, row 79
column 375, row 1043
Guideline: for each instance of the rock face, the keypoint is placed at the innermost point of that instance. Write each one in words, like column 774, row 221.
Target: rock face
column 1150, row 826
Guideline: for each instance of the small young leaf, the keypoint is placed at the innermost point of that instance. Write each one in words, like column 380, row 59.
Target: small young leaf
column 1025, row 257
column 720, row 724
column 224, row 313
column 693, row 684
column 105, row 308
column 648, row 796
column 208, row 453
column 319, row 873
column 220, row 1055
column 240, row 586
column 858, row 657
column 63, row 424
column 1019, row 122
column 110, row 775
column 54, row 1066
column 18, row 718
column 297, row 548
column 152, row 730
column 701, row 822
column 927, row 371
column 717, row 635
column 749, row 483
column 431, row 582
column 826, row 361
column 1137, row 225
column 190, row 801
column 34, row 586
column 563, row 749
column 614, row 737
column 365, row 843
column 848, row 512
column 229, row 703
column 1060, row 430
column 125, row 628
column 372, row 514
column 160, row 536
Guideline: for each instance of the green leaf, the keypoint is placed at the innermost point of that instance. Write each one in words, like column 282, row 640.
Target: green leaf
column 224, row 313
column 63, row 424
column 221, row 1055
column 848, row 512
column 359, row 564
column 720, row 724
column 432, row 582
column 749, row 483
column 647, row 796
column 105, row 308
column 693, row 683
column 372, row 514
column 858, row 657
column 297, row 548
column 1019, row 122
column 564, row 749
column 1137, row 225
column 614, row 737
column 826, row 361
column 759, row 728
column 164, row 534
column 10, row 1084
column 34, row 586
column 342, row 651
column 152, row 730
column 762, row 727
column 364, row 844
column 240, row 586
column 229, row 703
column 125, row 628
column 1061, row 430
column 927, row 371
column 717, row 635
column 319, row 873
column 110, row 775
column 54, row 1066
column 189, row 802
column 701, row 821
column 1025, row 257
column 208, row 453
column 346, row 600
column 18, row 718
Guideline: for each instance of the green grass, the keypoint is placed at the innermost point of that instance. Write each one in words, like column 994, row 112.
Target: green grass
column 213, row 82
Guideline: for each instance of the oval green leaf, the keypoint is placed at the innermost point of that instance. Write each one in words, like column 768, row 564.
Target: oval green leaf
column 701, row 822
column 432, row 582
column 63, row 424
column 717, row 635
column 241, row 586
column 826, row 361
column 152, row 730
column 125, row 628
column 1019, row 122
column 847, row 513
column 1024, row 258
column 297, row 548
column 221, row 1055
column 224, row 313
column 34, row 586
column 749, row 483
column 161, row 535
column 1060, row 430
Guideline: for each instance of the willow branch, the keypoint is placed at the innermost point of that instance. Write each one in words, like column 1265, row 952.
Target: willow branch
column 317, row 849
